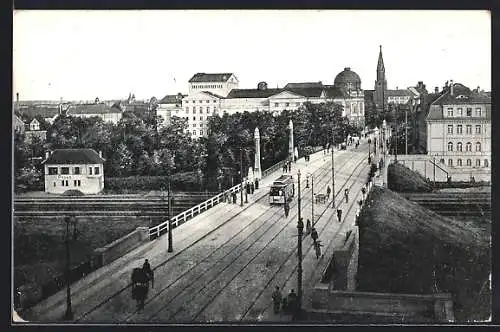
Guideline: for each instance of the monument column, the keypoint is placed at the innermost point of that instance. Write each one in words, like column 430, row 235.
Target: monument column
column 257, row 170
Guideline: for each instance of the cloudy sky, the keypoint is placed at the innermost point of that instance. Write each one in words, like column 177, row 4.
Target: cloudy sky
column 107, row 54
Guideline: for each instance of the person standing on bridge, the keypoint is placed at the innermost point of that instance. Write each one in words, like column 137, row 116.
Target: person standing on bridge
column 146, row 267
column 346, row 195
column 277, row 298
column 252, row 187
column 287, row 208
column 308, row 226
column 328, row 192
column 314, row 235
column 339, row 214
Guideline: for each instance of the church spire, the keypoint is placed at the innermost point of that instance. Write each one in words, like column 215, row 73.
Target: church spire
column 380, row 65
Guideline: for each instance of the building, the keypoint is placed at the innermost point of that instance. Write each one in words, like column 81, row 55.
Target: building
column 107, row 114
column 48, row 112
column 81, row 169
column 36, row 127
column 197, row 108
column 220, row 83
column 459, row 130
column 170, row 105
column 18, row 124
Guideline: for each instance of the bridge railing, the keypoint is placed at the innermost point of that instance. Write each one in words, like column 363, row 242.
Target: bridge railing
column 181, row 218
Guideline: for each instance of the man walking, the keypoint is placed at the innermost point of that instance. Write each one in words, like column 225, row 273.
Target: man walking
column 287, row 208
column 339, row 214
column 328, row 192
column 346, row 194
column 314, row 235
column 308, row 226
column 277, row 298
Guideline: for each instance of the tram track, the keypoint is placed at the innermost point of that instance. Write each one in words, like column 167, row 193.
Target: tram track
column 262, row 218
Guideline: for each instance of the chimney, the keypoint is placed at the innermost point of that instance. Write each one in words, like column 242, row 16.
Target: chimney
column 451, row 87
column 17, row 97
column 100, row 154
column 436, row 90
column 397, row 88
column 420, row 84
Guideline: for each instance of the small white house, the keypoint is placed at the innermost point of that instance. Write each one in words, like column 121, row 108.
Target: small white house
column 81, row 169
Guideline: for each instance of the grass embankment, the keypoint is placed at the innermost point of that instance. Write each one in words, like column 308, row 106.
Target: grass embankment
column 402, row 179
column 405, row 248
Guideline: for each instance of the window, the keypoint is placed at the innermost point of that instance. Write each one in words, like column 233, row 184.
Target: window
column 441, row 161
column 468, row 129
column 459, row 146
column 76, row 170
column 450, row 162
column 201, row 118
column 96, row 170
column 468, row 146
column 194, row 118
column 90, row 170
column 469, row 111
column 201, row 125
column 194, row 110
column 450, row 146
column 74, row 183
column 54, row 183
column 194, row 132
column 187, row 109
column 64, row 170
column 52, row 170
column 66, row 183
column 478, row 162
column 208, row 101
column 478, row 146
column 450, row 111
column 193, row 125
column 62, row 183
column 459, row 162
column 485, row 163
column 469, row 162
column 287, row 104
column 276, row 104
column 201, row 101
column 450, row 129
column 478, row 129
column 201, row 132
column 215, row 109
column 208, row 110
column 193, row 101
column 215, row 101
column 478, row 112
column 459, row 129
column 459, row 111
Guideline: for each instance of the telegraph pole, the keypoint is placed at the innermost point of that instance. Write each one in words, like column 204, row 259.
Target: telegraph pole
column 333, row 171
column 312, row 200
column 300, row 229
column 69, row 312
column 169, row 214
column 406, row 131
column 241, row 176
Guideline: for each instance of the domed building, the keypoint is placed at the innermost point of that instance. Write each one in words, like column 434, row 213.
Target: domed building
column 347, row 80
column 348, row 83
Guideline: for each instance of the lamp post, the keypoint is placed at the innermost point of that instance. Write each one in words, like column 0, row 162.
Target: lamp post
column 406, row 131
column 384, row 127
column 300, row 229
column 333, row 170
column 169, row 215
column 312, row 198
column 69, row 311
column 369, row 152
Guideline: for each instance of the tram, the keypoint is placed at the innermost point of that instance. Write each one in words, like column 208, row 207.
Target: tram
column 282, row 190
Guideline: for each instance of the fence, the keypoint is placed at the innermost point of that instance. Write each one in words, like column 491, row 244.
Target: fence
column 156, row 231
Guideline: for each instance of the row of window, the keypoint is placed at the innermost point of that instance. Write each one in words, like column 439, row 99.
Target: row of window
column 194, row 125
column 194, row 118
column 65, row 183
column 193, row 132
column 286, row 104
column 76, row 170
column 200, row 110
column 468, row 162
column 208, row 86
column 468, row 112
column 200, row 101
column 468, row 146
column 468, row 129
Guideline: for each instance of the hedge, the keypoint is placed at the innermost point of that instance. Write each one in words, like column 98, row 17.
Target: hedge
column 188, row 181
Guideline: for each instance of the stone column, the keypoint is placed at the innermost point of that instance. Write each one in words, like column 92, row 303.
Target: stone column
column 290, row 142
column 257, row 170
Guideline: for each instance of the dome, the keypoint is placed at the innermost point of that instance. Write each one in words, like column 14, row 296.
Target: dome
column 347, row 78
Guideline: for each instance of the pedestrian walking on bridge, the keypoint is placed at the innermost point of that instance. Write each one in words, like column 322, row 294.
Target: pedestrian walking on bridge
column 308, row 226
column 314, row 235
column 339, row 214
column 346, row 195
column 277, row 298
column 287, row 208
column 328, row 192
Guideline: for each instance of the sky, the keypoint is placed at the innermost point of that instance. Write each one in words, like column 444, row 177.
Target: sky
column 81, row 55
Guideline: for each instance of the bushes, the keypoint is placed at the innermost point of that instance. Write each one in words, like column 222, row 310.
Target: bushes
column 188, row 181
column 402, row 179
column 371, row 174
column 73, row 192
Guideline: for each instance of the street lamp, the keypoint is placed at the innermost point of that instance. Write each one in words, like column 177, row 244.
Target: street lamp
column 169, row 214
column 384, row 127
column 241, row 177
column 69, row 312
column 300, row 229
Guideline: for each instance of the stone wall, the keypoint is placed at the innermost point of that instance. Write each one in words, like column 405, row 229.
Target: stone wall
column 120, row 247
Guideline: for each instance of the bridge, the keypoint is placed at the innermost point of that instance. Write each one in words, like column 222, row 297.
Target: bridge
column 227, row 259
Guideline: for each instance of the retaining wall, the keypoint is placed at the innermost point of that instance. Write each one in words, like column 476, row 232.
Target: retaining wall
column 120, row 247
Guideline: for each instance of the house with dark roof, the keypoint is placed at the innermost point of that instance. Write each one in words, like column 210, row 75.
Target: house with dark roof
column 168, row 106
column 18, row 124
column 217, row 83
column 107, row 114
column 459, row 132
column 48, row 112
column 35, row 127
column 80, row 169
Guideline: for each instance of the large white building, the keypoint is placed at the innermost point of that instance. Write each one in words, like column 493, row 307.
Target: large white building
column 81, row 169
column 459, row 131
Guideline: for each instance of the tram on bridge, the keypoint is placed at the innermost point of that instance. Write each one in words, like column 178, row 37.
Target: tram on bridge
column 282, row 190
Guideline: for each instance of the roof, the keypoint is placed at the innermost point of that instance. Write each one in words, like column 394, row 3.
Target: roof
column 74, row 156
column 252, row 93
column 346, row 76
column 308, row 92
column 301, row 85
column 172, row 99
column 44, row 111
column 203, row 77
column 92, row 109
column 436, row 106
column 334, row 92
column 402, row 92
column 213, row 94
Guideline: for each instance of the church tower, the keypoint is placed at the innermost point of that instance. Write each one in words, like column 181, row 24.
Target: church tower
column 379, row 95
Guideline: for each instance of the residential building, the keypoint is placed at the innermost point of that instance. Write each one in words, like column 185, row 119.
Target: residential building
column 196, row 108
column 107, row 114
column 170, row 105
column 37, row 127
column 18, row 124
column 248, row 100
column 459, row 130
column 220, row 83
column 81, row 169
column 48, row 112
